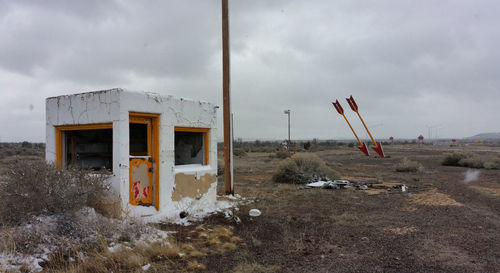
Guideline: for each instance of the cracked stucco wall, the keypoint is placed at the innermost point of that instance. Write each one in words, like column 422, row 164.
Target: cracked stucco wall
column 114, row 106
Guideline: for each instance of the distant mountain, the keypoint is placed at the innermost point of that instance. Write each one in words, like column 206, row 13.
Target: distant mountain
column 484, row 136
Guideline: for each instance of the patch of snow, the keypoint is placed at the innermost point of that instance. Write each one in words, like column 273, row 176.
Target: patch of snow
column 192, row 168
column 35, row 265
column 146, row 267
column 196, row 209
column 114, row 247
column 234, row 196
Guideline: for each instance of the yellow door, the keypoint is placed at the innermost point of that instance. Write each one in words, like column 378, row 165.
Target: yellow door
column 141, row 161
column 141, row 178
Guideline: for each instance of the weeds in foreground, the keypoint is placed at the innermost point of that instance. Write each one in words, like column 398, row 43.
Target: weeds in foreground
column 124, row 258
column 33, row 188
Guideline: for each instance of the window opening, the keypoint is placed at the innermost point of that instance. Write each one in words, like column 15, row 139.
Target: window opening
column 91, row 149
column 190, row 147
column 138, row 139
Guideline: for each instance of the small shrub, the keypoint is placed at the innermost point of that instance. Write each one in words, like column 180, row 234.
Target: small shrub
column 283, row 154
column 239, row 152
column 453, row 159
column 351, row 144
column 471, row 160
column 26, row 144
column 493, row 163
column 307, row 145
column 303, row 168
column 407, row 165
column 33, row 188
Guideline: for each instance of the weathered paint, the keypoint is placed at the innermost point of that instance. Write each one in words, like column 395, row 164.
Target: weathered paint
column 140, row 181
column 186, row 185
column 115, row 107
column 153, row 150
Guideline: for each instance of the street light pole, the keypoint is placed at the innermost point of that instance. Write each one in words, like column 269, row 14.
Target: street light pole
column 288, row 113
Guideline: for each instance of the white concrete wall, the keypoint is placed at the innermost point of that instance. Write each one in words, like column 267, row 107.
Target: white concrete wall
column 114, row 106
column 84, row 108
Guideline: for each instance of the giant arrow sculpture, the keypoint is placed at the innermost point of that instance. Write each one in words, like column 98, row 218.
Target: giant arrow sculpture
column 354, row 107
column 362, row 146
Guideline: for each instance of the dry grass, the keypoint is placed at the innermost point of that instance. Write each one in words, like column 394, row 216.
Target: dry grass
column 283, row 154
column 488, row 190
column 407, row 165
column 122, row 259
column 32, row 188
column 195, row 265
column 471, row 160
column 401, row 230
column 229, row 246
column 206, row 240
column 434, row 198
column 374, row 191
column 236, row 239
column 239, row 152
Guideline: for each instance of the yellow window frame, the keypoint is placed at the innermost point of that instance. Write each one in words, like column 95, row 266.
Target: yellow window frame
column 206, row 137
column 62, row 128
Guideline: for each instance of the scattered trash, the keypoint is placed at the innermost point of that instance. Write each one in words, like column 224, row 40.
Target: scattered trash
column 363, row 187
column 360, row 185
column 146, row 267
column 318, row 184
column 231, row 217
column 254, row 212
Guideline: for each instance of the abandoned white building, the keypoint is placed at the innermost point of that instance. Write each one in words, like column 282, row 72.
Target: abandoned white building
column 162, row 151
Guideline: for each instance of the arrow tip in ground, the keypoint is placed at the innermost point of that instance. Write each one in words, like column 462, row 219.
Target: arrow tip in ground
column 379, row 149
column 364, row 149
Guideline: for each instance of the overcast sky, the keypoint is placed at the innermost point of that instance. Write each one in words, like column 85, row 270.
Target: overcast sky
column 408, row 64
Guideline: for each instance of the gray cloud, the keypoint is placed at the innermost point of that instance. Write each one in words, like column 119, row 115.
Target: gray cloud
column 409, row 64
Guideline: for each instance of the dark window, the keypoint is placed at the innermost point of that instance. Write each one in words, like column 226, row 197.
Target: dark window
column 138, row 139
column 92, row 149
column 189, row 148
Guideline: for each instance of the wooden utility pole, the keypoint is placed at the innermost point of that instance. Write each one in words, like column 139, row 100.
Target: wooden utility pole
column 226, row 92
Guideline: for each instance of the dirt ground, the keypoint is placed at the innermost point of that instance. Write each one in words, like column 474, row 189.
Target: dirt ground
column 441, row 224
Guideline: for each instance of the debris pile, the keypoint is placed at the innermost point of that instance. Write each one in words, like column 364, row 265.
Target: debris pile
column 352, row 184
